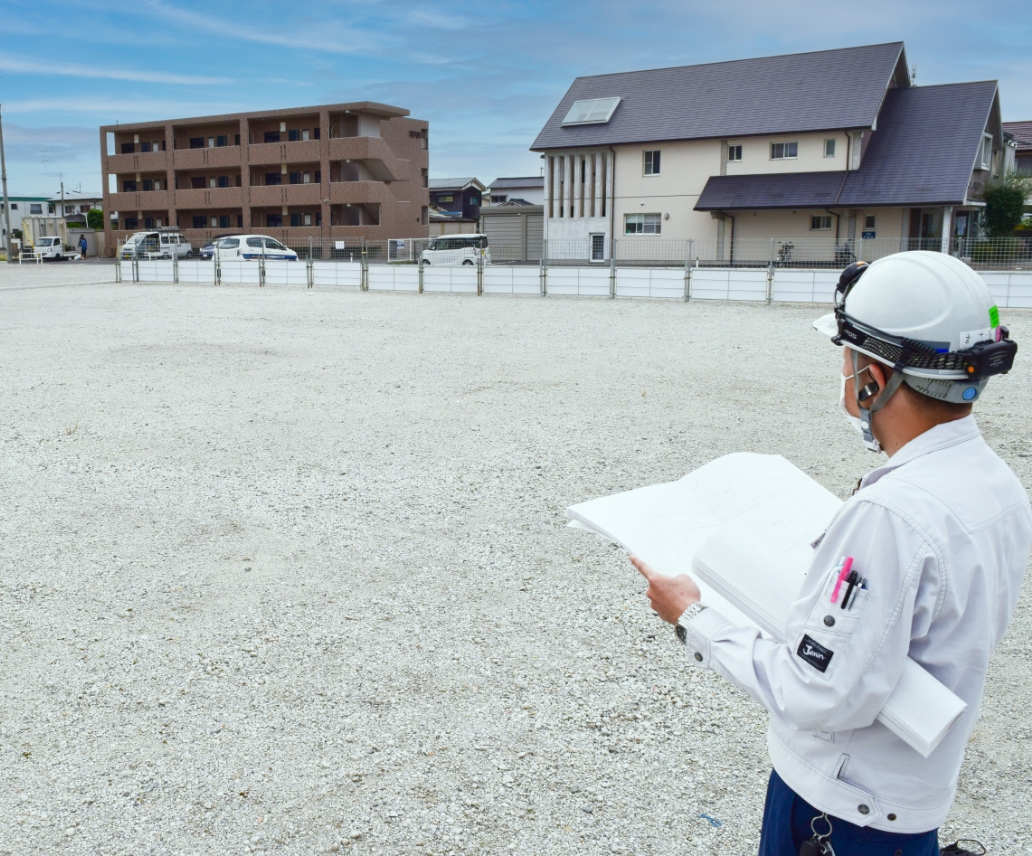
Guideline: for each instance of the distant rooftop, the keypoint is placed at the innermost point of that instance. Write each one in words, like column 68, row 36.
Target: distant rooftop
column 518, row 183
column 455, row 183
column 1022, row 133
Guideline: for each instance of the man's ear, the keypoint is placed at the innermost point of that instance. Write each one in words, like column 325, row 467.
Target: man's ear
column 879, row 377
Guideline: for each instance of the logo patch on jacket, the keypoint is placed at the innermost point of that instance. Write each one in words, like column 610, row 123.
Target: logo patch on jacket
column 815, row 653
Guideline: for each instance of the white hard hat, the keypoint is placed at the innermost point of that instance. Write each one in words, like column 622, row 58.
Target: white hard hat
column 927, row 315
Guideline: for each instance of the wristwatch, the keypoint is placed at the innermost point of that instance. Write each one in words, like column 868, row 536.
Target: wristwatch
column 681, row 628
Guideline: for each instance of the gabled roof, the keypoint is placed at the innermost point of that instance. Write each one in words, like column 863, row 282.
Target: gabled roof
column 824, row 90
column 922, row 154
column 455, row 183
column 518, row 183
column 1022, row 133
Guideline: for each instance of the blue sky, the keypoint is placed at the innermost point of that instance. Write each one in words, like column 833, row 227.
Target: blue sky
column 485, row 75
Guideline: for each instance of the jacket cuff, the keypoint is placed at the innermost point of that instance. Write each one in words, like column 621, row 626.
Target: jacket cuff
column 701, row 631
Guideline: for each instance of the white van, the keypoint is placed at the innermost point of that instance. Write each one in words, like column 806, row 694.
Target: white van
column 251, row 248
column 156, row 245
column 53, row 248
column 457, row 250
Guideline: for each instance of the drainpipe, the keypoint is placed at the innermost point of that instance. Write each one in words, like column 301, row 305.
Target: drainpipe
column 612, row 207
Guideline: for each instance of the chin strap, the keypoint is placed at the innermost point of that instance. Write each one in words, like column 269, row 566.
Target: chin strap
column 880, row 400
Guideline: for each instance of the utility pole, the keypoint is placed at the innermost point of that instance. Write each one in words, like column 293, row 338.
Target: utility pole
column 7, row 202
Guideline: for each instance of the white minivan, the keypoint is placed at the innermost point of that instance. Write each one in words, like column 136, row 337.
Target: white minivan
column 251, row 248
column 156, row 245
column 457, row 250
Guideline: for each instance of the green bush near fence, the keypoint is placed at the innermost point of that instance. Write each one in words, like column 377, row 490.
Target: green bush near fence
column 1000, row 250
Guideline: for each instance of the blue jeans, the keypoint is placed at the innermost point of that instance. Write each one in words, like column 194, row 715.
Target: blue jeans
column 786, row 825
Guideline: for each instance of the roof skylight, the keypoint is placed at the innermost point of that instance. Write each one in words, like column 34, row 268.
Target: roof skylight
column 591, row 111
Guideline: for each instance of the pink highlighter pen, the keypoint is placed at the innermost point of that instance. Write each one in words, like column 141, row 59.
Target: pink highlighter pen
column 846, row 567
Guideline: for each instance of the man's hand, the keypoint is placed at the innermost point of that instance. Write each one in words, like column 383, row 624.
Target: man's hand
column 670, row 596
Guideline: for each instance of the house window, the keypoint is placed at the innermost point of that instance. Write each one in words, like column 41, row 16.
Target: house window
column 34, row 208
column 200, row 222
column 820, row 222
column 70, row 209
column 273, row 219
column 652, row 162
column 598, row 248
column 497, row 198
column 642, row 224
column 474, row 200
column 734, row 153
column 784, row 151
column 987, row 151
column 445, row 198
column 829, row 148
column 869, row 221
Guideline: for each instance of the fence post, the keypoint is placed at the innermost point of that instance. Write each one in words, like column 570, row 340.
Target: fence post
column 364, row 260
column 420, row 273
column 218, row 271
column 261, row 269
column 118, row 267
column 544, row 268
column 612, row 273
column 136, row 269
column 175, row 267
column 770, row 274
column 480, row 274
column 859, row 250
column 688, row 272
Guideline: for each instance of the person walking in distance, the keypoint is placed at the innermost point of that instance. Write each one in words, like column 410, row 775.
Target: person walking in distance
column 83, row 245
column 935, row 541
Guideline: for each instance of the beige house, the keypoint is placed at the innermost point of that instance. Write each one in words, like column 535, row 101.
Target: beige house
column 820, row 151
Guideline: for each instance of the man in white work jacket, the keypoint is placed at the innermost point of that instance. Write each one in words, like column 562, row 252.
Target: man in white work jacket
column 938, row 536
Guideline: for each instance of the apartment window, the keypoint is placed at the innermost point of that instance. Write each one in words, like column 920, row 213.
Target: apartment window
column 14, row 206
column 223, row 221
column 829, row 148
column 315, row 133
column 145, row 147
column 148, row 184
column 222, row 140
column 598, row 248
column 236, row 139
column 197, row 183
column 34, row 208
column 200, row 222
column 293, row 136
column 301, row 220
column 820, row 222
column 128, row 148
column 272, row 136
column 652, row 162
column 148, row 222
column 295, row 178
column 131, row 223
column 784, row 151
column 642, row 224
column 497, row 198
column 734, row 153
column 196, row 142
column 273, row 219
column 870, row 219
column 223, row 181
column 129, row 187
column 240, row 221
column 272, row 178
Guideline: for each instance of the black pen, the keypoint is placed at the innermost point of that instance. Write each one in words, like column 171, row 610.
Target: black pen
column 859, row 585
column 852, row 580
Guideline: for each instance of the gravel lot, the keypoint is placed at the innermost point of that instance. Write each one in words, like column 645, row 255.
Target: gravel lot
column 286, row 571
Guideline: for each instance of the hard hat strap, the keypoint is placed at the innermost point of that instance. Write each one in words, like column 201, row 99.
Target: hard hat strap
column 880, row 400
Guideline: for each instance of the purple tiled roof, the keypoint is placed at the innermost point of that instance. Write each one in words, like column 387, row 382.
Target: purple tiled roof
column 922, row 154
column 824, row 90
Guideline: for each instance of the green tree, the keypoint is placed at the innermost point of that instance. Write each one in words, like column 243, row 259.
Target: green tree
column 95, row 219
column 1004, row 203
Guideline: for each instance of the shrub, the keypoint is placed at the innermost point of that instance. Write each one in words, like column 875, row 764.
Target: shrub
column 1004, row 203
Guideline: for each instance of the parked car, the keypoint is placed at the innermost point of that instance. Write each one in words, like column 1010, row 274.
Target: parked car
column 53, row 248
column 252, row 248
column 457, row 250
column 156, row 245
column 208, row 250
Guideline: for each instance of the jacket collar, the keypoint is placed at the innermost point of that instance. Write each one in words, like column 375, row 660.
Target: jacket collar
column 940, row 437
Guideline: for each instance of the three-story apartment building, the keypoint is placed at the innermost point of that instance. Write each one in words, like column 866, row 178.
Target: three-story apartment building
column 822, row 148
column 337, row 171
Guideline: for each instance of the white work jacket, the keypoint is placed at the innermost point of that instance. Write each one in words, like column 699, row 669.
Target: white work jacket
column 941, row 534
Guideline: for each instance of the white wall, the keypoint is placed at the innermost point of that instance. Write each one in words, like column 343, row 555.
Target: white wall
column 756, row 154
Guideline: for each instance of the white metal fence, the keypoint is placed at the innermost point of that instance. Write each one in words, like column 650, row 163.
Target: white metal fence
column 1011, row 289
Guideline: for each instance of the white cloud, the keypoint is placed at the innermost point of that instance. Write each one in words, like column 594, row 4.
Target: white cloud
column 64, row 69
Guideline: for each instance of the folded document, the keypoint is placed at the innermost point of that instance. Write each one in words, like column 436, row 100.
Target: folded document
column 745, row 524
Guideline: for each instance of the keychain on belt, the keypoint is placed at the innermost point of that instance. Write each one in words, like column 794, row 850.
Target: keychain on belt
column 819, row 845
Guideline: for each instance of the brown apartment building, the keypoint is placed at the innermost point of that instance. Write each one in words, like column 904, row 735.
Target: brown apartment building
column 337, row 171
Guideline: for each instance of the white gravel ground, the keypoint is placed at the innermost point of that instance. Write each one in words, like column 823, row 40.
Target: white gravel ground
column 286, row 571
